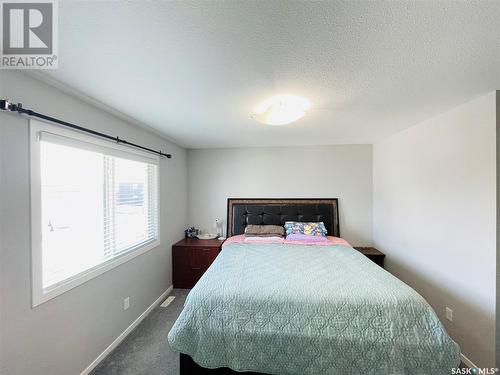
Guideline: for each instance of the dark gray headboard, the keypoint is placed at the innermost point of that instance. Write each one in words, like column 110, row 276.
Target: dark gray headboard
column 241, row 212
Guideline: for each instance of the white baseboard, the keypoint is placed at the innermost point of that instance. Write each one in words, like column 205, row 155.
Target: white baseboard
column 467, row 361
column 125, row 333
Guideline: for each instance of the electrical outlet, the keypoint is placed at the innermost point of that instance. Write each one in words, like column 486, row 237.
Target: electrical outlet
column 449, row 314
column 126, row 303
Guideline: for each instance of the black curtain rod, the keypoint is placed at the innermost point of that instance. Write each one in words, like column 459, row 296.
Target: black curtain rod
column 5, row 105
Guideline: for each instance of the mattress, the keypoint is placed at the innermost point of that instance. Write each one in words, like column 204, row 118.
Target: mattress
column 296, row 309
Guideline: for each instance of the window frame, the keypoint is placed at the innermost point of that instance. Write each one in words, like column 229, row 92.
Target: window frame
column 38, row 294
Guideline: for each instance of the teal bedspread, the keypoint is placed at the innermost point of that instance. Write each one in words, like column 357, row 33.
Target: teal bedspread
column 291, row 309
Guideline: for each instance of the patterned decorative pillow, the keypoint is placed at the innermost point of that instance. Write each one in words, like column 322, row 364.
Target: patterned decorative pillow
column 310, row 229
column 305, row 238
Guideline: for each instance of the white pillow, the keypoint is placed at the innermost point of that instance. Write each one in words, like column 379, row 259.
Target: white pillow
column 264, row 239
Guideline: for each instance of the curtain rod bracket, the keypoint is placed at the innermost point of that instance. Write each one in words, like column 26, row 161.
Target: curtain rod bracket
column 6, row 105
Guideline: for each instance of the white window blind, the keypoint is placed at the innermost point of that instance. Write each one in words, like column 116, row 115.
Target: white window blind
column 97, row 204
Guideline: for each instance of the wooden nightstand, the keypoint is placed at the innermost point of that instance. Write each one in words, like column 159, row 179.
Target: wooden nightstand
column 372, row 253
column 191, row 257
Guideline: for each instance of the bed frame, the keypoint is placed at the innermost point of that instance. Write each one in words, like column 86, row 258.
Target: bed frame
column 190, row 367
column 240, row 213
column 269, row 211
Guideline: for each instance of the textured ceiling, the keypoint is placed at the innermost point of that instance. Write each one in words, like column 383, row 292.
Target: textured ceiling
column 195, row 70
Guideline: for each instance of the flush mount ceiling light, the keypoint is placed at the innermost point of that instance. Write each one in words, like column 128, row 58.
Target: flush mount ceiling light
column 281, row 109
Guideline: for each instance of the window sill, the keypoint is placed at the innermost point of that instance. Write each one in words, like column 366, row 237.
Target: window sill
column 40, row 295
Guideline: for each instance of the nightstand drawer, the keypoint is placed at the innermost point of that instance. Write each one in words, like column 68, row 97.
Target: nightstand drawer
column 190, row 259
column 208, row 255
column 201, row 258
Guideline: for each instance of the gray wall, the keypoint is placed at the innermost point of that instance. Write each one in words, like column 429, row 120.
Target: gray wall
column 65, row 334
column 498, row 231
column 340, row 171
column 434, row 212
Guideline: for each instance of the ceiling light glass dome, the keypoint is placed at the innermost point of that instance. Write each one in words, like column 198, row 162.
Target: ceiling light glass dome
column 281, row 109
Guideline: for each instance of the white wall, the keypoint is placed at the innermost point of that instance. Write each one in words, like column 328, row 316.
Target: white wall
column 340, row 171
column 434, row 202
column 65, row 334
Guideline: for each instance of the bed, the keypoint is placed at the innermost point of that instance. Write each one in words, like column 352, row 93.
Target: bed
column 294, row 309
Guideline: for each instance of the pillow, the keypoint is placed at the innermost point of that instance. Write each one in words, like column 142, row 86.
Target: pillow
column 311, row 229
column 264, row 231
column 306, row 238
column 264, row 239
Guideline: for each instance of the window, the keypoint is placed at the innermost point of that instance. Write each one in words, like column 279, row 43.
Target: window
column 94, row 206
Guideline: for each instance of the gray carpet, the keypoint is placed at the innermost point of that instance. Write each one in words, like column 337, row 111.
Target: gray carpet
column 145, row 351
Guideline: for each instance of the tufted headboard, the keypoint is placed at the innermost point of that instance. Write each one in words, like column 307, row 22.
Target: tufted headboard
column 241, row 212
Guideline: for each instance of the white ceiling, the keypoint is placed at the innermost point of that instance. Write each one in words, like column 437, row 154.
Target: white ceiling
column 195, row 70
